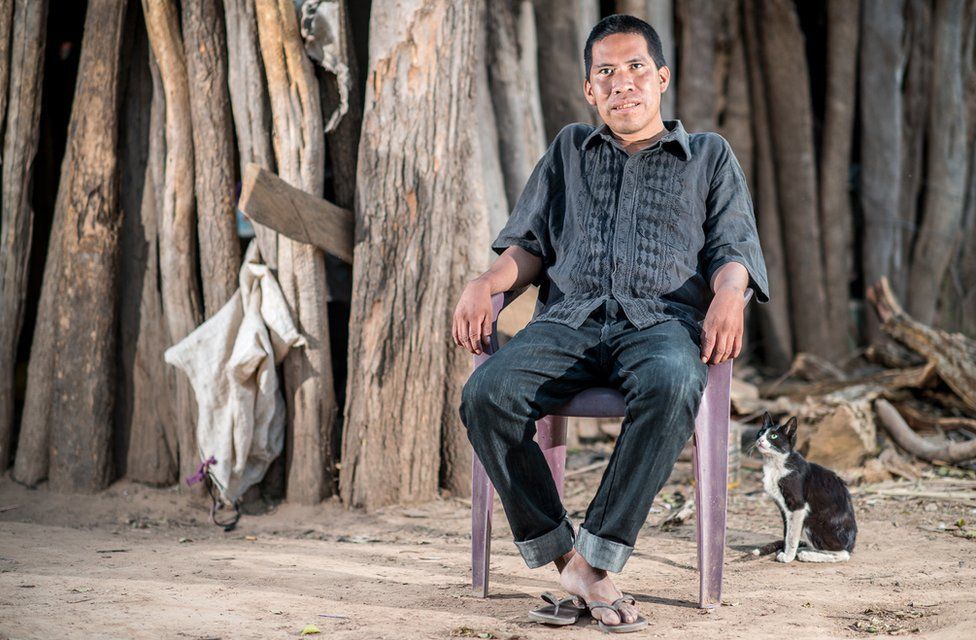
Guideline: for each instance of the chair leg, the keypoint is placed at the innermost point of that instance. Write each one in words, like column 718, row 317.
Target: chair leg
column 482, row 496
column 711, row 481
column 551, row 436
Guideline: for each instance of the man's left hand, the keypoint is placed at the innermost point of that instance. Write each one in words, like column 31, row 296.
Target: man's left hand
column 722, row 330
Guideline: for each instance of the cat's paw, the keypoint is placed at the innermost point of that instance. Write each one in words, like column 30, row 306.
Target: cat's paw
column 782, row 557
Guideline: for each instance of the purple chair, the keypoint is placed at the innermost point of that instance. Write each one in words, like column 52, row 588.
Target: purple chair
column 710, row 461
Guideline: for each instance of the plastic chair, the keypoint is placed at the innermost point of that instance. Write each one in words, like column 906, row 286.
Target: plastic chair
column 710, row 461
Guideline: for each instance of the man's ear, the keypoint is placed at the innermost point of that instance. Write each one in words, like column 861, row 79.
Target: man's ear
column 790, row 430
column 588, row 93
column 664, row 77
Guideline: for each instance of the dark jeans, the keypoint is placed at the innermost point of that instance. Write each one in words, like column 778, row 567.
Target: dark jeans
column 661, row 375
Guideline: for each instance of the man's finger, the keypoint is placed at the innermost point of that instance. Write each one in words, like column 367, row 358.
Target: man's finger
column 465, row 335
column 737, row 348
column 721, row 345
column 708, row 343
column 486, row 332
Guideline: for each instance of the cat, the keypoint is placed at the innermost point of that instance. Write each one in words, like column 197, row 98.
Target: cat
column 812, row 499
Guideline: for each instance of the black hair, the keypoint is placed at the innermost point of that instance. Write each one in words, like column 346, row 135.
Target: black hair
column 621, row 23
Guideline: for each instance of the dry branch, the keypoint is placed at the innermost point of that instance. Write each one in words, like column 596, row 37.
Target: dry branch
column 945, row 451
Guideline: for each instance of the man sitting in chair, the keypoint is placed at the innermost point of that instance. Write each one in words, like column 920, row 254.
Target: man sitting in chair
column 643, row 241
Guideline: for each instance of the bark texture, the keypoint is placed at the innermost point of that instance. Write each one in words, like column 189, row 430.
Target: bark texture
column 414, row 161
column 835, row 160
column 300, row 151
column 213, row 150
column 177, row 222
column 562, row 29
column 85, row 336
column 145, row 444
column 791, row 129
column 22, row 37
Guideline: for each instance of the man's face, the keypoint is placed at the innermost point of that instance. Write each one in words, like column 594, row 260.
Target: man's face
column 625, row 85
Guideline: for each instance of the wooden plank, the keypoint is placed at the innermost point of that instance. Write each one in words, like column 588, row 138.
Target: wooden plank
column 269, row 200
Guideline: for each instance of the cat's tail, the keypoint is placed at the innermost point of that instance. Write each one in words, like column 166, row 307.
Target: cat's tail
column 767, row 549
column 818, row 555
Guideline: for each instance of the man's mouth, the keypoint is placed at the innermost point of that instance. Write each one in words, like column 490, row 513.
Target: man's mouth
column 625, row 107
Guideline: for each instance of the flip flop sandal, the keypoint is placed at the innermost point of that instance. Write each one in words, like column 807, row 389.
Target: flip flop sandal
column 623, row 627
column 557, row 612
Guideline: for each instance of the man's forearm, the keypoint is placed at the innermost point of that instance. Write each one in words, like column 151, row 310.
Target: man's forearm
column 731, row 275
column 515, row 268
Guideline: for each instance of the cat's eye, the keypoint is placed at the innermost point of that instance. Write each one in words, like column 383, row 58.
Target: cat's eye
column 773, row 436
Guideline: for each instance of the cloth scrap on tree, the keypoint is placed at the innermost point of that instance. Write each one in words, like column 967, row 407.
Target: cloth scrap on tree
column 230, row 360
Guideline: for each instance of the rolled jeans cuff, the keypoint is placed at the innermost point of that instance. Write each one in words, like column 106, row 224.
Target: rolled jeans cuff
column 601, row 553
column 542, row 550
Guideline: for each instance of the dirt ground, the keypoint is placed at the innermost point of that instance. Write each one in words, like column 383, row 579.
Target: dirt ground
column 136, row 562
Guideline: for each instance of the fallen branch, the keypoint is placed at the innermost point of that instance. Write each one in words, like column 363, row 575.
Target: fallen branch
column 953, row 354
column 945, row 451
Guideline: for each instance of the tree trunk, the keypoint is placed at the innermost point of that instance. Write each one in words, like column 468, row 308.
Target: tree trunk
column 213, row 151
column 177, row 250
column 514, row 95
column 559, row 25
column 774, row 317
column 835, row 160
column 947, row 165
column 299, row 148
column 145, row 451
column 343, row 149
column 418, row 237
column 916, row 95
column 788, row 93
column 84, row 371
column 22, row 62
column 696, row 22
column 249, row 104
column 881, row 64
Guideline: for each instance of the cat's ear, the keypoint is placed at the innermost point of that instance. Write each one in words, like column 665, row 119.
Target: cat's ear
column 790, row 429
column 767, row 419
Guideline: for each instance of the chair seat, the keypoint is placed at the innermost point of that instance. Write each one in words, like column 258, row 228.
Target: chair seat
column 596, row 402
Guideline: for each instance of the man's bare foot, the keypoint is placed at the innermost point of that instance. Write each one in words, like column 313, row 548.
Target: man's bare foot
column 577, row 577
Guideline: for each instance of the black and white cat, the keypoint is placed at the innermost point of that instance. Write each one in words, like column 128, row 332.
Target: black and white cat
column 813, row 501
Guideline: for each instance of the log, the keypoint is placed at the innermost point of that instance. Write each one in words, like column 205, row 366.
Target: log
column 144, row 422
column 791, row 128
column 696, row 23
column 944, row 451
column 249, row 104
column 514, row 94
column 177, row 226
column 921, row 421
column 952, row 354
column 836, row 218
column 299, row 144
column 774, row 318
column 83, row 397
column 911, row 378
column 421, row 214
column 213, row 150
column 296, row 214
column 880, row 99
column 562, row 27
column 947, row 166
column 25, row 27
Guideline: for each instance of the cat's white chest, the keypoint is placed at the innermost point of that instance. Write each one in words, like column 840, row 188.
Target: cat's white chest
column 774, row 470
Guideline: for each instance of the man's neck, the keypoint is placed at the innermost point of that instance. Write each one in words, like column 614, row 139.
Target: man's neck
column 634, row 142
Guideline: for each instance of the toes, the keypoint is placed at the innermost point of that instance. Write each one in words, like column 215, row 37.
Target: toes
column 610, row 618
column 630, row 614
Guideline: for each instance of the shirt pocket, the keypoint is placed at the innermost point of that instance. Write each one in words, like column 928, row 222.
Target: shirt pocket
column 665, row 217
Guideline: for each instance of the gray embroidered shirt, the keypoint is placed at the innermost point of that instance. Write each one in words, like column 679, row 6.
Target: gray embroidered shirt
column 649, row 229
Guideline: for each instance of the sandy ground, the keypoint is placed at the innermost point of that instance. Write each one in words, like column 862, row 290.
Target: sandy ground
column 136, row 562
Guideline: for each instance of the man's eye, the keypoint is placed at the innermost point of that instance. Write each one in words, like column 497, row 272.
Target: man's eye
column 604, row 71
column 638, row 64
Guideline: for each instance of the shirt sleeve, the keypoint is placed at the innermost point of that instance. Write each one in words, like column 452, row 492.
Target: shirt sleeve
column 730, row 226
column 528, row 224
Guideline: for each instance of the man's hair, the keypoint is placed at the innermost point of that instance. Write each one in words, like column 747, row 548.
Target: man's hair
column 621, row 23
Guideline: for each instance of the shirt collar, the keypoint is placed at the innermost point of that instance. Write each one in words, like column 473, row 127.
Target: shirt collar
column 676, row 135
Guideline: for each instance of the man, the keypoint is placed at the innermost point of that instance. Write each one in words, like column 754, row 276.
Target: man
column 643, row 241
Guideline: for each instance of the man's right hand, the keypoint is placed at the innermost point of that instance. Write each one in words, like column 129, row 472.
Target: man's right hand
column 472, row 316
